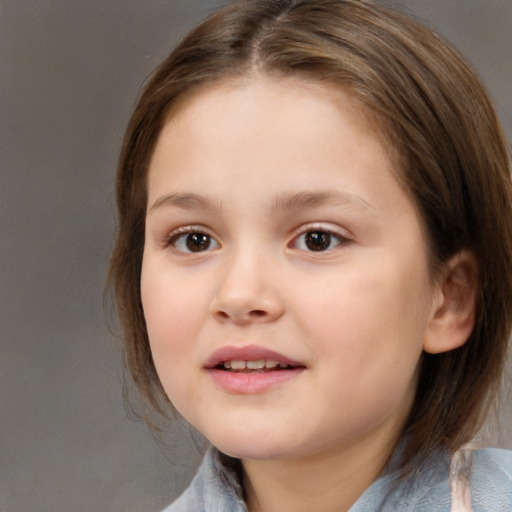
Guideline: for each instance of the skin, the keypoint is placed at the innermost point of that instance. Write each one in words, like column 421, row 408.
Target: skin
column 357, row 315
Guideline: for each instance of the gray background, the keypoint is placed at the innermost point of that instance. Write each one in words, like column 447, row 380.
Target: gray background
column 69, row 73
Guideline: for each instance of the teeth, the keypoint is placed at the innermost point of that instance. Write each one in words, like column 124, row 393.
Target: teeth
column 258, row 364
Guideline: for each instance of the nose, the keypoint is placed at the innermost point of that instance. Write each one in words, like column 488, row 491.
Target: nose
column 247, row 292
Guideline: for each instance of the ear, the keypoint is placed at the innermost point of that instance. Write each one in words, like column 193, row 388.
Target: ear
column 454, row 305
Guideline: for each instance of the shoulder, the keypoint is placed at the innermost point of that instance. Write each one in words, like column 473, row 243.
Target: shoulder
column 497, row 460
column 215, row 487
column 471, row 480
column 490, row 480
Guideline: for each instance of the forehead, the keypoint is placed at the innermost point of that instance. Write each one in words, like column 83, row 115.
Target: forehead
column 269, row 113
column 276, row 87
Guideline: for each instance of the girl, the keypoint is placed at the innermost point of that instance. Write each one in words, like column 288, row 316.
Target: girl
column 314, row 260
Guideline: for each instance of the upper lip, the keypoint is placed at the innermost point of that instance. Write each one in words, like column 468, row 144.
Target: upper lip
column 247, row 353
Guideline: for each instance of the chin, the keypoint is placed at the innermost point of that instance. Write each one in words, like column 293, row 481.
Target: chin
column 251, row 446
column 252, row 453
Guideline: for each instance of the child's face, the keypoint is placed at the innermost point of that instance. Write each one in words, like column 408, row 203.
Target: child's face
column 277, row 231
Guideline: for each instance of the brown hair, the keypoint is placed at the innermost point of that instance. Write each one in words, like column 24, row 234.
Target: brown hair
column 452, row 159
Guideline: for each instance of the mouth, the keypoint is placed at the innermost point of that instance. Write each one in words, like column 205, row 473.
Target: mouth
column 250, row 359
column 253, row 366
column 251, row 369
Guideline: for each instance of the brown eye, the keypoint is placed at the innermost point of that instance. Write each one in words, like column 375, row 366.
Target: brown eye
column 198, row 242
column 317, row 241
column 194, row 242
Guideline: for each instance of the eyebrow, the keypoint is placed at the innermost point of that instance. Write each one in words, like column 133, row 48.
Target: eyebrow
column 284, row 201
column 186, row 201
column 302, row 200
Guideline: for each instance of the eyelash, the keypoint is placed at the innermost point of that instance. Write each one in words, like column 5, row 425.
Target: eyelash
column 327, row 235
column 179, row 237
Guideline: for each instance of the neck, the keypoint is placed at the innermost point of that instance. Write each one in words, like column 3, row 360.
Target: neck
column 325, row 482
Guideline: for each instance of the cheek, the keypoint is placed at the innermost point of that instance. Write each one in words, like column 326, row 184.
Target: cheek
column 173, row 316
column 370, row 318
column 366, row 347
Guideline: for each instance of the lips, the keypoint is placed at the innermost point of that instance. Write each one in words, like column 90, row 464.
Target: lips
column 251, row 369
column 250, row 358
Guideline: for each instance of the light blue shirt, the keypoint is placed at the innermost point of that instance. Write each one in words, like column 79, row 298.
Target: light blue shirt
column 217, row 486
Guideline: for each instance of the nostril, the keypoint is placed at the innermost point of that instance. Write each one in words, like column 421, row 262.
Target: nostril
column 257, row 313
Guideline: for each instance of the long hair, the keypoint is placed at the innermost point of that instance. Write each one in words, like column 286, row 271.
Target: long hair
column 451, row 154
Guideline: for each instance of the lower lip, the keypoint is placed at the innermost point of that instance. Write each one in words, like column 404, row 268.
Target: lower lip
column 252, row 383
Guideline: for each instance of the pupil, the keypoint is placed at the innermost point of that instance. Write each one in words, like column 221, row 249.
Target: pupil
column 197, row 242
column 318, row 240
